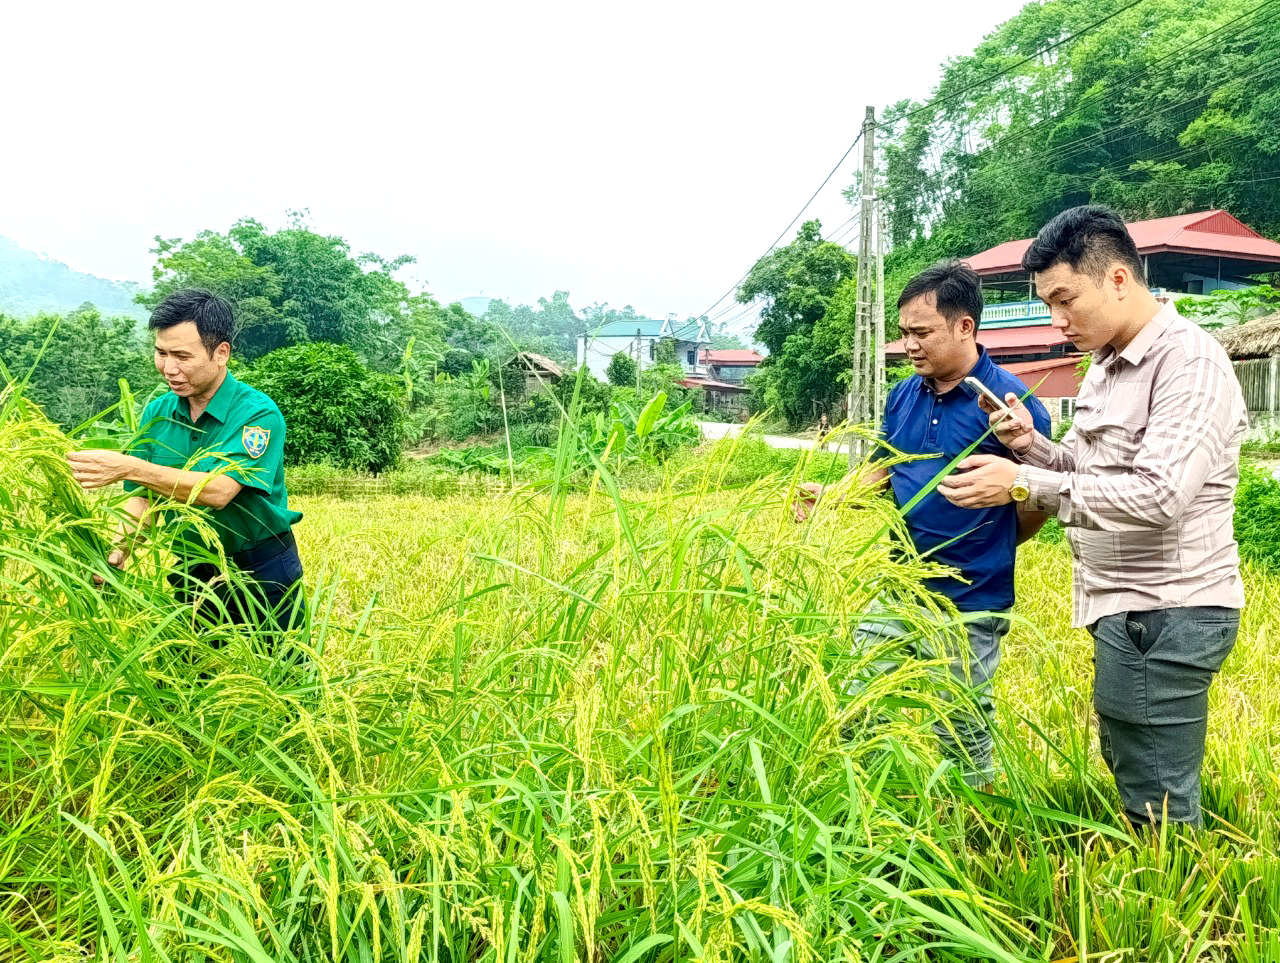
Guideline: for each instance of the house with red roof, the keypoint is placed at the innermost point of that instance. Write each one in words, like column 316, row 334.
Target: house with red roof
column 725, row 380
column 1186, row 255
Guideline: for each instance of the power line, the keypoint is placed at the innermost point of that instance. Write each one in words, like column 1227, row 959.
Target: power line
column 1024, row 61
column 935, row 193
column 932, row 103
column 1114, row 86
column 1169, row 153
column 791, row 223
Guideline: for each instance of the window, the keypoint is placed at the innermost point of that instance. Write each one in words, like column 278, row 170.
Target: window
column 1066, row 409
column 653, row 350
column 691, row 357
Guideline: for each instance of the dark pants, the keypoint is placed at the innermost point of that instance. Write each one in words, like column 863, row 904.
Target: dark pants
column 1152, row 672
column 266, row 593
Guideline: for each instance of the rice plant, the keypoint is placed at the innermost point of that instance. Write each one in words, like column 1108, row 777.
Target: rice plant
column 555, row 726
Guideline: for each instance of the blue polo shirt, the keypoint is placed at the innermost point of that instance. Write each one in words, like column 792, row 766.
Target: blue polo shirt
column 918, row 421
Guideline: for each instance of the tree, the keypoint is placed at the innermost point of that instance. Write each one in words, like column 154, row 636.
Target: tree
column 1114, row 117
column 335, row 409
column 665, row 353
column 806, row 323
column 289, row 287
column 622, row 370
column 721, row 337
column 552, row 329
column 79, row 373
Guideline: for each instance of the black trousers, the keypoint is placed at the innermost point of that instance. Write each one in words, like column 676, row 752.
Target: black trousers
column 268, row 594
column 1152, row 676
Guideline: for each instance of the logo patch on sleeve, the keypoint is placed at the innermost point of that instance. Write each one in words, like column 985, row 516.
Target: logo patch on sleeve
column 255, row 440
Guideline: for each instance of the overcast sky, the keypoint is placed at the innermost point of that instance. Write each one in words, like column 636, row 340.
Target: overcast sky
column 638, row 153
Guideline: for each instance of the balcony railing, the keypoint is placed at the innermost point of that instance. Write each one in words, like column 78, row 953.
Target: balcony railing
column 1013, row 314
column 1017, row 311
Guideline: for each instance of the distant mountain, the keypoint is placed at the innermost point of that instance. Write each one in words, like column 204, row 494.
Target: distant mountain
column 30, row 283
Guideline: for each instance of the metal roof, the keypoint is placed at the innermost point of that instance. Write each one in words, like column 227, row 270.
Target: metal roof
column 1206, row 233
column 1004, row 339
column 647, row 327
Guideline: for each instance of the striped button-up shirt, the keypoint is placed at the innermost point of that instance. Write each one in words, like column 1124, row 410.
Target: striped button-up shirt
column 1145, row 480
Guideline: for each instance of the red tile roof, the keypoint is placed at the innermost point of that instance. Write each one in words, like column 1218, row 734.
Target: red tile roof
column 1210, row 233
column 730, row 356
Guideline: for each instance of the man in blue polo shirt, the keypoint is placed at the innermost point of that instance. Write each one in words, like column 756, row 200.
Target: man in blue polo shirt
column 935, row 413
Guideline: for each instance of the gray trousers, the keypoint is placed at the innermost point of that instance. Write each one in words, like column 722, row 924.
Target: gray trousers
column 966, row 735
column 1152, row 672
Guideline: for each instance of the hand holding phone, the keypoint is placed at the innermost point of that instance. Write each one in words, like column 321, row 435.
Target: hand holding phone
column 1010, row 418
column 991, row 396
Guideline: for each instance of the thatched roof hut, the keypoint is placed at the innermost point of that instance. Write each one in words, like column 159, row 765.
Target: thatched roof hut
column 537, row 362
column 539, row 371
column 1255, row 339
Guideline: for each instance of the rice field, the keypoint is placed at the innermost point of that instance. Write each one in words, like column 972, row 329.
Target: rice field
column 588, row 726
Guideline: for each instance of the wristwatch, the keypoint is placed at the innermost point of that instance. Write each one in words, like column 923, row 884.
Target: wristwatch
column 1020, row 491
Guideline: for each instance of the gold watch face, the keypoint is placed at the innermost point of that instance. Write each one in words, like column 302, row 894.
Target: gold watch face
column 1020, row 493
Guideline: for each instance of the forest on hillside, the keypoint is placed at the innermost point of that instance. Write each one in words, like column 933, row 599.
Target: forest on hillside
column 1155, row 107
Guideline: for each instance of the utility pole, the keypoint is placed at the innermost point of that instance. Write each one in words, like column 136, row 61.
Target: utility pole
column 862, row 383
column 877, row 375
column 638, row 353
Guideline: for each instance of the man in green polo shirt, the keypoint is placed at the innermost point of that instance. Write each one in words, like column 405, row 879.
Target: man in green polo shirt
column 214, row 442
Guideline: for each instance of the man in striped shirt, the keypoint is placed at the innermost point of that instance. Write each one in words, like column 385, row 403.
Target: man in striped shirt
column 1144, row 483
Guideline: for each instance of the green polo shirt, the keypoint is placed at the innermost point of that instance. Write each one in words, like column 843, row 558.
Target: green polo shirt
column 241, row 434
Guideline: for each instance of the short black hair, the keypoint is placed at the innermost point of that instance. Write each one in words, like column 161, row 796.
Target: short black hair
column 213, row 315
column 1089, row 238
column 956, row 288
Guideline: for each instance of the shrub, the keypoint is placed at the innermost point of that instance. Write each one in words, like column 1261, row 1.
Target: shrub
column 621, row 370
column 1257, row 510
column 335, row 409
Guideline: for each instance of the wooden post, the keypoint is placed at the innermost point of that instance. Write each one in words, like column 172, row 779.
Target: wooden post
column 877, row 354
column 863, row 381
column 1273, row 385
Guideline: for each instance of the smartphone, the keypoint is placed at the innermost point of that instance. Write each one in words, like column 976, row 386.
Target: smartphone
column 990, row 395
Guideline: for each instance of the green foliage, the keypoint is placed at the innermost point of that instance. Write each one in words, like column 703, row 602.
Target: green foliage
column 665, row 353
column 737, row 462
column 477, row 458
column 650, row 433
column 602, row 728
column 552, row 329
column 622, row 370
column 1257, row 517
column 1237, row 306
column 628, row 432
column 289, row 287
column 1164, row 109
column 335, row 409
column 898, row 372
column 80, row 371
column 721, row 338
column 809, row 296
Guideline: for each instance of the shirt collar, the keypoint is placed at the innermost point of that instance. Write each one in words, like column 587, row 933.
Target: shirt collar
column 1137, row 349
column 982, row 370
column 220, row 404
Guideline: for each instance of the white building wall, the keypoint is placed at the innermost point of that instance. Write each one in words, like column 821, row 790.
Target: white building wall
column 597, row 352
